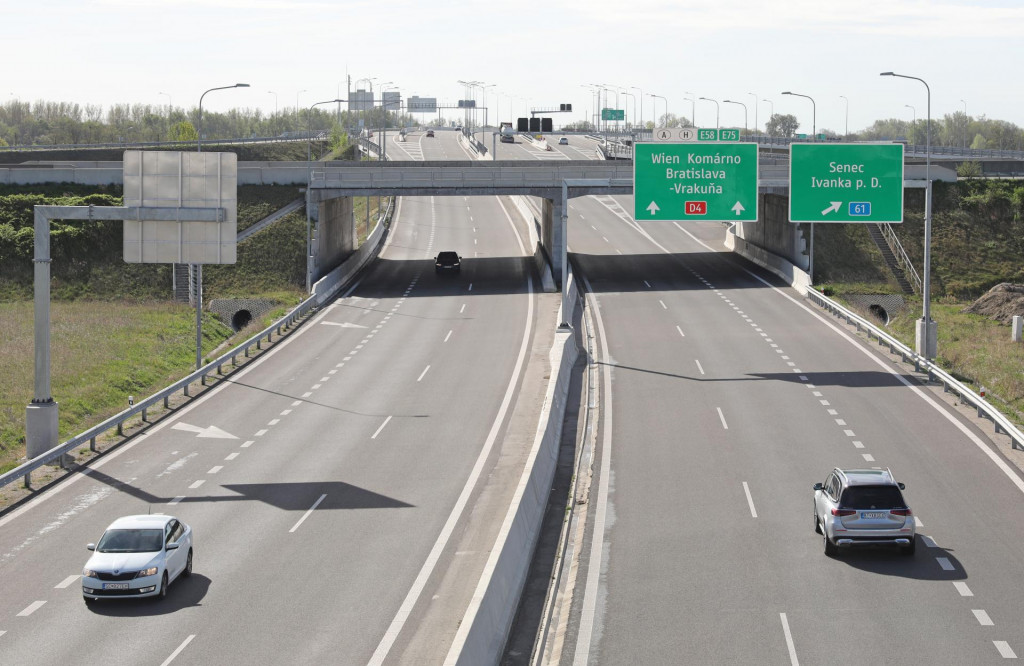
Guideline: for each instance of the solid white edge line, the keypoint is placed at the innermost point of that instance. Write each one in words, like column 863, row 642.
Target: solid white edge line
column 405, row 610
column 172, row 418
column 66, row 582
column 306, row 515
column 722, row 417
column 377, row 432
column 588, row 612
column 423, row 374
column 177, row 651
column 992, row 455
column 789, row 640
column 750, row 500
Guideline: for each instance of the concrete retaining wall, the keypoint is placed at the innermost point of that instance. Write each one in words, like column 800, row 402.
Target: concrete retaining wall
column 325, row 288
column 796, row 277
column 484, row 628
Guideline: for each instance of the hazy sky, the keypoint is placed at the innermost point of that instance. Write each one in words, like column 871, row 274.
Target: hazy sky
column 111, row 51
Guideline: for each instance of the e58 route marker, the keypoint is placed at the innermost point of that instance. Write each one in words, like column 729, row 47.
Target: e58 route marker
column 846, row 182
column 676, row 182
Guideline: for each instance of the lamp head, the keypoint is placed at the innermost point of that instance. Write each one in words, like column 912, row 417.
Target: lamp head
column 887, row 74
column 787, row 93
column 241, row 85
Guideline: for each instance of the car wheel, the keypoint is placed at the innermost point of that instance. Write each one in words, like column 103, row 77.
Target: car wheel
column 188, row 565
column 163, row 587
column 830, row 548
column 817, row 524
column 908, row 551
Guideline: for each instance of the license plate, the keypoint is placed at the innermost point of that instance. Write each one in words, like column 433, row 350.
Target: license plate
column 872, row 515
column 115, row 586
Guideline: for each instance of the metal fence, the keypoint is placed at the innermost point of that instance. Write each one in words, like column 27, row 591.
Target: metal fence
column 1002, row 425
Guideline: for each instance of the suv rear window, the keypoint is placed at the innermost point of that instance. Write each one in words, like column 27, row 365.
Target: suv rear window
column 448, row 257
column 872, row 497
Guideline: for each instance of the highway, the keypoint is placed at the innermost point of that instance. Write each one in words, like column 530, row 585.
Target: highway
column 366, row 464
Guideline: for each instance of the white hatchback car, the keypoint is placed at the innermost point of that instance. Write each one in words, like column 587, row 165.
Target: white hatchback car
column 138, row 556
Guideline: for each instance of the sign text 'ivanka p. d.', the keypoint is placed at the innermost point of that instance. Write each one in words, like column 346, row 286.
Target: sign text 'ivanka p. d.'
column 846, row 182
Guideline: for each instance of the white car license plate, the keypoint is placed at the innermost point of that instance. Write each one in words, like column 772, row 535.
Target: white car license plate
column 115, row 586
column 872, row 515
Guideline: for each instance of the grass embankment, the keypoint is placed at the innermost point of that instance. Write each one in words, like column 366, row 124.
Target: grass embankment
column 977, row 243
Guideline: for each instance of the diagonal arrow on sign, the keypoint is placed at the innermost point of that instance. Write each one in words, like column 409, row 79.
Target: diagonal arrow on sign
column 833, row 208
column 211, row 431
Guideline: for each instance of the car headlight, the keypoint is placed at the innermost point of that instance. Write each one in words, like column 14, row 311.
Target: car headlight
column 147, row 572
column 89, row 573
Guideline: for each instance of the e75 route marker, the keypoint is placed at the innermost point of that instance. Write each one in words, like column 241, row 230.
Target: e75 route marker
column 846, row 182
column 676, row 182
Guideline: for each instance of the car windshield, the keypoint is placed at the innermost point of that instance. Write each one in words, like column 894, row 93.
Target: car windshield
column 131, row 541
column 872, row 497
column 448, row 257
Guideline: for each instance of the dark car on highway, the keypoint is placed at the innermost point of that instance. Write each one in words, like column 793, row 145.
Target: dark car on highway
column 447, row 262
column 430, row 133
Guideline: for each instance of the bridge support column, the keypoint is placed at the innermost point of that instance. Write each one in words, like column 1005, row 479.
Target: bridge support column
column 553, row 237
column 334, row 234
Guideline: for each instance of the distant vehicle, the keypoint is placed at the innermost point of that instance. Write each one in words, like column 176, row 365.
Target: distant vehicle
column 507, row 134
column 447, row 262
column 863, row 507
column 458, row 128
column 430, row 133
column 564, row 141
column 138, row 556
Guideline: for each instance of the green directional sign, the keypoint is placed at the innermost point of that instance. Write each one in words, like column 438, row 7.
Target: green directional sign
column 613, row 114
column 846, row 182
column 695, row 181
column 713, row 134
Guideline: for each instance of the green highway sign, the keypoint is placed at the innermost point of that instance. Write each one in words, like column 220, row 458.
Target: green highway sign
column 613, row 114
column 695, row 181
column 846, row 182
column 712, row 134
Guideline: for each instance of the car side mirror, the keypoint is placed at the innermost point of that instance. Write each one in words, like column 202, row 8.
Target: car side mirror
column 818, row 486
column 171, row 546
column 902, row 486
column 90, row 546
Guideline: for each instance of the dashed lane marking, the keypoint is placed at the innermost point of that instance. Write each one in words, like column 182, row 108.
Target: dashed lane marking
column 196, row 484
column 67, row 582
column 178, row 650
column 306, row 515
column 374, row 436
column 31, row 608
column 982, row 617
column 962, row 588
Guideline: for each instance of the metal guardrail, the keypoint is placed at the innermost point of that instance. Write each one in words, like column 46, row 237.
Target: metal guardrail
column 901, row 256
column 216, row 366
column 1002, row 425
column 155, row 144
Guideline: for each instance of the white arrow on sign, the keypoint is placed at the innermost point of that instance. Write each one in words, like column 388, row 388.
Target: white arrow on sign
column 653, row 208
column 738, row 208
column 833, row 208
column 212, row 431
column 343, row 324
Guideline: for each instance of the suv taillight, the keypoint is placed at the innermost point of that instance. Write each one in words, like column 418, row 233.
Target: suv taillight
column 843, row 512
column 901, row 512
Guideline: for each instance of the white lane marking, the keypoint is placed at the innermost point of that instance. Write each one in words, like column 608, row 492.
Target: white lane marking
column 422, row 374
column 663, row 304
column 247, row 444
column 177, row 464
column 789, row 640
column 858, row 444
column 66, row 582
column 918, row 523
column 196, row 484
column 374, row 436
column 285, row 412
column 215, row 469
column 299, row 402
column 680, row 331
column 448, row 336
column 470, row 287
column 831, row 412
column 274, row 422
column 453, row 518
column 32, row 608
column 722, row 417
column 699, row 366
column 326, row 378
column 304, row 395
column 315, row 386
column 306, row 515
column 176, row 500
column 929, row 541
column 232, row 456
column 178, row 650
column 593, row 227
column 849, row 433
column 2, row 632
column 606, row 239
column 648, row 284
column 750, row 500
column 983, row 618
column 462, row 309
column 840, row 422
column 962, row 588
column 944, row 563
column 1005, row 651
column 868, row 457
column 260, row 433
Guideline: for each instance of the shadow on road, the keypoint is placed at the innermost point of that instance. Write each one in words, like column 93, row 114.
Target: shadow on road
column 926, row 564
column 183, row 593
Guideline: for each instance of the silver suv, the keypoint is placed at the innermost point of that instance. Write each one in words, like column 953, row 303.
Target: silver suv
column 862, row 507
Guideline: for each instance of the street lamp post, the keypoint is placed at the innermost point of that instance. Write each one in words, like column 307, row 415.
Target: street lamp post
column 846, row 132
column 483, row 94
column 631, row 95
column 655, row 107
column 966, row 123
column 926, row 337
column 693, row 108
column 718, row 108
column 641, row 116
column 914, row 121
column 814, row 112
column 298, row 118
column 384, row 131
column 771, row 112
column 755, row 111
column 271, row 92
column 729, row 101
column 197, row 269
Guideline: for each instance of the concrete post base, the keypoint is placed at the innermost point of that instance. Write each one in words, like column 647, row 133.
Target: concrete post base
column 926, row 338
column 41, row 431
column 1017, row 328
